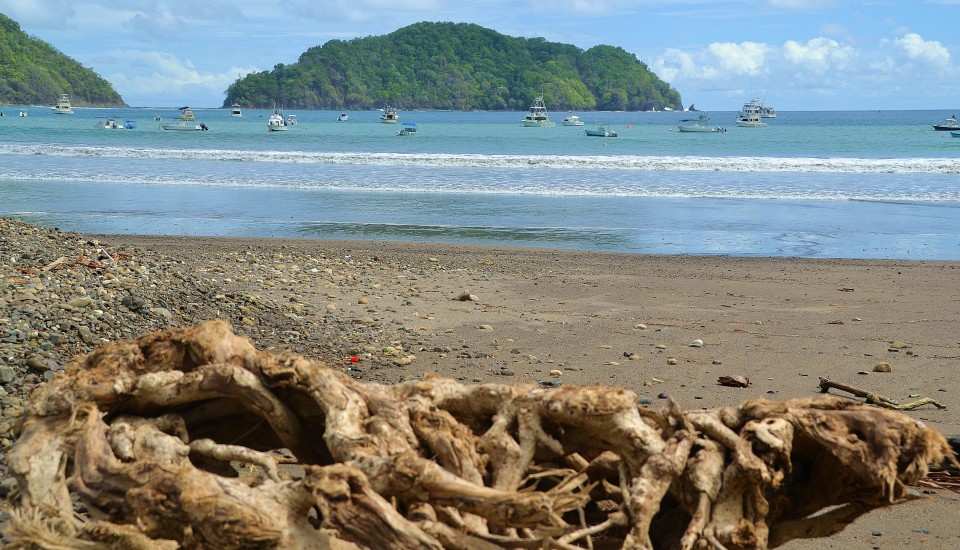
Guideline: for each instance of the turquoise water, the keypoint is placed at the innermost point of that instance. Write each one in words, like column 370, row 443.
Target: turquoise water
column 877, row 184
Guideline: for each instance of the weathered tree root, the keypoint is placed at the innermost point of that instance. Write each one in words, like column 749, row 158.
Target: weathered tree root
column 149, row 436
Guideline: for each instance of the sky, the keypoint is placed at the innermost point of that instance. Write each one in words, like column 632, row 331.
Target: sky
column 796, row 55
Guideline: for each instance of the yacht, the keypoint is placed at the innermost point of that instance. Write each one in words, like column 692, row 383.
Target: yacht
column 749, row 115
column 571, row 120
column 343, row 117
column 389, row 116
column 63, row 105
column 537, row 117
column 276, row 122
column 235, row 110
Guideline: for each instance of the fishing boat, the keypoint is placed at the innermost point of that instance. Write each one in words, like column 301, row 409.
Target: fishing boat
column 955, row 134
column 950, row 124
column 186, row 123
column 292, row 120
column 63, row 105
column 343, row 117
column 276, row 122
column 571, row 120
column 23, row 112
column 699, row 124
column 409, row 129
column 537, row 117
column 767, row 111
column 235, row 110
column 749, row 115
column 390, row 116
column 601, row 130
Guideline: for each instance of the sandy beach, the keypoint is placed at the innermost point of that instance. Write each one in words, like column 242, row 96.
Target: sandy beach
column 662, row 326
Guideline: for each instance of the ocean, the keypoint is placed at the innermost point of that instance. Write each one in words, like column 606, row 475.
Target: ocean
column 859, row 184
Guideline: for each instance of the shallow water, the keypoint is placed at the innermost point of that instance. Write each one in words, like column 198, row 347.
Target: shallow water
column 829, row 184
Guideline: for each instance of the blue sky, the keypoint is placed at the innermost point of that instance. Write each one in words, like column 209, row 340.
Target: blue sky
column 797, row 54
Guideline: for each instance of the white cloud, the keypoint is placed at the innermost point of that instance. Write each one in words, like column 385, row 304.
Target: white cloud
column 677, row 64
column 818, row 54
column 163, row 71
column 742, row 58
column 927, row 50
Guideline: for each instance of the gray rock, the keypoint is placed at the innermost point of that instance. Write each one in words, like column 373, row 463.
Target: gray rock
column 133, row 303
column 36, row 364
column 7, row 374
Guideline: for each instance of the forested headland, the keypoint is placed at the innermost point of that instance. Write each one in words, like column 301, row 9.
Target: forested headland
column 33, row 72
column 456, row 66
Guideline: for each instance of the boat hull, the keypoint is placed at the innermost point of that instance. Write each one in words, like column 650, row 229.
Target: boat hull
column 940, row 128
column 182, row 127
column 537, row 124
column 698, row 128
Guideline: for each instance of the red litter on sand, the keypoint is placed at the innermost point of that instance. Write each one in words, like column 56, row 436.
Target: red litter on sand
column 354, row 359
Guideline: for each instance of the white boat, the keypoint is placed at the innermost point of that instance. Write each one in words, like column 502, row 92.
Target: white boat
column 571, row 120
column 767, row 111
column 749, row 115
column 343, row 117
column 601, row 130
column 292, row 120
column 276, row 122
column 186, row 123
column 110, row 123
column 23, row 112
column 537, row 117
column 389, row 116
column 409, row 129
column 235, row 110
column 63, row 105
column 699, row 124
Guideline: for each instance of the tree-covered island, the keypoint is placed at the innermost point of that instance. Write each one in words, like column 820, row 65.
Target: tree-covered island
column 456, row 66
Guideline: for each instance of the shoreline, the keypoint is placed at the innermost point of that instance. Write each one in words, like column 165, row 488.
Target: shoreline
column 511, row 315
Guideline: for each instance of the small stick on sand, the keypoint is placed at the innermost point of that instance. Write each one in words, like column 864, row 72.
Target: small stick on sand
column 825, row 386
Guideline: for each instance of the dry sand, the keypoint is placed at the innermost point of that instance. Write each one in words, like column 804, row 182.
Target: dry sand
column 619, row 319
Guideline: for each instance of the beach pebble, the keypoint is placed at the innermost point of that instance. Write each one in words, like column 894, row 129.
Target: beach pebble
column 672, row 361
column 698, row 343
column 640, row 326
column 133, row 303
column 881, row 367
column 81, row 302
column 555, row 373
column 644, row 400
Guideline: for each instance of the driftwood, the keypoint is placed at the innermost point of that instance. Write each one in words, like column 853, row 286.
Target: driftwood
column 184, row 438
column 872, row 398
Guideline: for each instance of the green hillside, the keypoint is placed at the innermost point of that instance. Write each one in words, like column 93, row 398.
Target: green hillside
column 456, row 66
column 33, row 72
